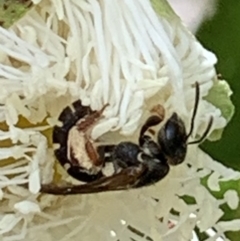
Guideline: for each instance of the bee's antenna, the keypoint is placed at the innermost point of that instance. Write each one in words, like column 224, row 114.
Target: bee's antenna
column 197, row 96
column 204, row 134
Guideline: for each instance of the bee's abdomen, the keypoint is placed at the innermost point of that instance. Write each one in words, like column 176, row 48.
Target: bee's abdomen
column 69, row 117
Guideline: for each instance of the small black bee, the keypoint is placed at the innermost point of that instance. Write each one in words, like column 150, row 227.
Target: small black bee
column 135, row 165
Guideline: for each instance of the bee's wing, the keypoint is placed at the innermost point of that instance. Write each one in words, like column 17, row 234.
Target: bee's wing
column 126, row 179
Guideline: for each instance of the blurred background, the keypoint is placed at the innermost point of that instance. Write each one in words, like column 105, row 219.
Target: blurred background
column 216, row 24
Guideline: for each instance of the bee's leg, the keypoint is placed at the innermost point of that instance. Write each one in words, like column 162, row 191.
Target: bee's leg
column 157, row 118
column 150, row 122
column 89, row 120
column 93, row 154
column 105, row 152
column 156, row 171
column 84, row 126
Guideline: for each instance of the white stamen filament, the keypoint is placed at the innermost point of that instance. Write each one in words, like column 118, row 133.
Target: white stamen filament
column 102, row 51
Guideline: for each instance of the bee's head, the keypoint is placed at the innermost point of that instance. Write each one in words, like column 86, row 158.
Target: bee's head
column 172, row 139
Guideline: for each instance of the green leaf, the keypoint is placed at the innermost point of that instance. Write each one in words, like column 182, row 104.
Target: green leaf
column 219, row 96
column 12, row 10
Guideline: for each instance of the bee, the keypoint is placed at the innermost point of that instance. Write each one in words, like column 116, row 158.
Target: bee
column 134, row 165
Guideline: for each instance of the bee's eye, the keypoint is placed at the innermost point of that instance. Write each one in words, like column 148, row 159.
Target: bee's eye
column 171, row 128
column 172, row 136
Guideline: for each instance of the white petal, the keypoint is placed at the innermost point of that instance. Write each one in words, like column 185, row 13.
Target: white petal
column 26, row 207
column 232, row 198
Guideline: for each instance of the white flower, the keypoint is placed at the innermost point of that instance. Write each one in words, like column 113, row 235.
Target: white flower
column 116, row 52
